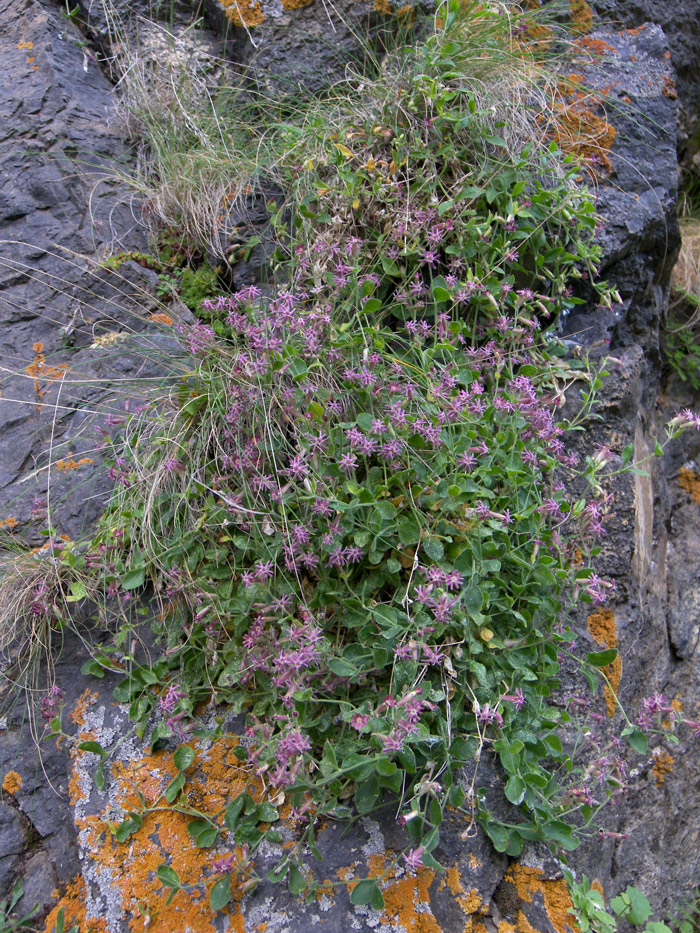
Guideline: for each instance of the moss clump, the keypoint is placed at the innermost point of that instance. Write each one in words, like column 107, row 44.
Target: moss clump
column 198, row 284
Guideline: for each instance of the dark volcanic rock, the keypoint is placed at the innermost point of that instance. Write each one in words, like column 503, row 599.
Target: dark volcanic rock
column 637, row 198
column 680, row 20
column 59, row 217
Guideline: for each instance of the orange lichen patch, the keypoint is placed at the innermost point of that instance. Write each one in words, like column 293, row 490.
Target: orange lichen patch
column 295, row 4
column 25, row 45
column 130, row 869
column 452, row 880
column 663, row 765
column 597, row 47
column 505, row 927
column 670, row 88
column 73, row 906
column 690, row 482
column 38, row 369
column 528, row 881
column 538, row 36
column 9, row 522
column 86, row 699
column 345, row 874
column 407, row 899
column 12, row 782
column 470, row 901
column 70, row 463
column 325, row 889
column 382, row 6
column 243, row 12
column 601, row 625
column 407, row 903
column 474, row 862
column 161, row 318
column 579, row 130
column 581, row 16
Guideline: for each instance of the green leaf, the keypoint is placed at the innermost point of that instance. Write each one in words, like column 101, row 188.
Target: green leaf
column 174, row 788
column 77, row 591
column 516, row 789
column 233, row 811
column 183, row 757
column 341, row 668
column 368, row 794
column 384, row 767
column 560, row 833
column 160, row 734
column 440, row 294
column 434, row 548
column 93, row 747
column 408, row 760
column 409, row 531
column 473, row 599
column 499, row 836
column 220, row 894
column 365, row 892
column 168, row 876
column 207, row 838
column 203, row 833
column 377, row 902
column 372, row 305
column 126, row 829
column 296, row 881
column 133, row 579
column 93, row 668
column 266, row 813
column 601, row 658
column 640, row 907
column 637, row 739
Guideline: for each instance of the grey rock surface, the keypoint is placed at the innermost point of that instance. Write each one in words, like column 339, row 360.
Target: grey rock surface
column 60, row 216
column 680, row 21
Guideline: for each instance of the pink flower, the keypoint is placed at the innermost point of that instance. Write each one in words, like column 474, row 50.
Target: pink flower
column 517, row 699
column 414, row 858
column 347, row 463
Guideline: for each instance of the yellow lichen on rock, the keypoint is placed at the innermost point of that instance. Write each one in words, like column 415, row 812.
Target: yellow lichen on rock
column 601, row 625
column 690, row 482
column 529, row 881
column 581, row 16
column 12, row 782
column 406, row 899
column 663, row 765
column 243, row 12
column 127, row 871
column 73, row 906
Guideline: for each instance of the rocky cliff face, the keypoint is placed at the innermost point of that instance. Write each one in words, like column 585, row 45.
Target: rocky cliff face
column 60, row 310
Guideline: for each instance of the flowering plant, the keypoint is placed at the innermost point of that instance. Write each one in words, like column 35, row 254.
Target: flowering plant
column 355, row 502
